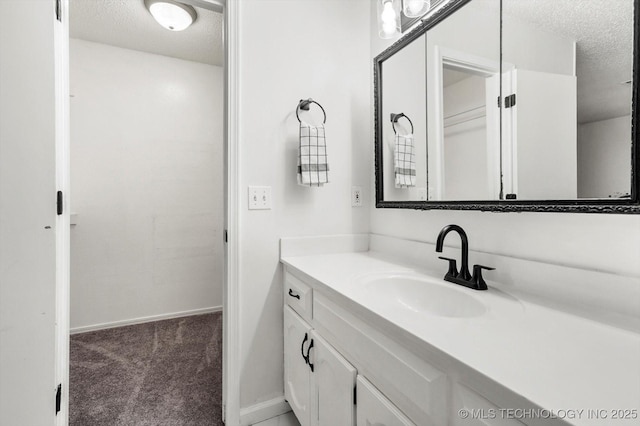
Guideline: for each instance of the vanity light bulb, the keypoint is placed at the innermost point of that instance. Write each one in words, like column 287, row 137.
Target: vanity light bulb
column 388, row 15
column 388, row 20
column 389, row 28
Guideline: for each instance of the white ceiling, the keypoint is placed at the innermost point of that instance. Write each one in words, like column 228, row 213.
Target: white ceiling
column 128, row 24
column 604, row 34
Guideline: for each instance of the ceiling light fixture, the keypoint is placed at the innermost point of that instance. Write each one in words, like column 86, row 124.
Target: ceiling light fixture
column 171, row 14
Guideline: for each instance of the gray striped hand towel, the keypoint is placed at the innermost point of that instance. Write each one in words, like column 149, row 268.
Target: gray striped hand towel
column 404, row 161
column 313, row 168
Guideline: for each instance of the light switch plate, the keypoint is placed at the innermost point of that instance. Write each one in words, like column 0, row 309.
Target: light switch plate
column 259, row 198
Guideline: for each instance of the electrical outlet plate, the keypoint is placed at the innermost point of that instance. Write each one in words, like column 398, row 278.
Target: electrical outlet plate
column 259, row 198
column 356, row 196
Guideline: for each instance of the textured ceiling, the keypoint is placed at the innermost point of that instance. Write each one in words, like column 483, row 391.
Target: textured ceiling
column 128, row 24
column 604, row 34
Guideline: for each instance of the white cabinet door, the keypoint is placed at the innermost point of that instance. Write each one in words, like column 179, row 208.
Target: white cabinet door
column 333, row 380
column 297, row 386
column 375, row 410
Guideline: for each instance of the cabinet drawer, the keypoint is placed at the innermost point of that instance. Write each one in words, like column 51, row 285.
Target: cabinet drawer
column 416, row 387
column 298, row 295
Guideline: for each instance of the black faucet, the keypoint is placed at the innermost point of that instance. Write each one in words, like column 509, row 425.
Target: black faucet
column 463, row 277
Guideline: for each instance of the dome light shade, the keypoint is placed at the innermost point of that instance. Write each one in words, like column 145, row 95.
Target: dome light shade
column 170, row 14
column 415, row 8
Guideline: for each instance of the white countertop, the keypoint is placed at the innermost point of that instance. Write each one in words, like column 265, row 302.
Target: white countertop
column 553, row 359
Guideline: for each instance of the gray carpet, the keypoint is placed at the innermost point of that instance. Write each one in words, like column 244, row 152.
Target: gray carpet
column 160, row 373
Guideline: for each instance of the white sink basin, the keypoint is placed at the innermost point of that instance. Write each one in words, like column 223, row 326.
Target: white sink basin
column 423, row 294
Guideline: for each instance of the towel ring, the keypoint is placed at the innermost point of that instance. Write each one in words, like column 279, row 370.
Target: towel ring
column 304, row 105
column 396, row 117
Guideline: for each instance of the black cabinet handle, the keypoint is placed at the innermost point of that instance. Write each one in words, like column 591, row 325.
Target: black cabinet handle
column 308, row 359
column 306, row 337
column 292, row 294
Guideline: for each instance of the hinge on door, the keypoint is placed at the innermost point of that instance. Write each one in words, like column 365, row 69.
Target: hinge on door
column 58, row 398
column 355, row 395
column 499, row 103
column 510, row 101
column 226, row 236
column 59, row 202
column 59, row 10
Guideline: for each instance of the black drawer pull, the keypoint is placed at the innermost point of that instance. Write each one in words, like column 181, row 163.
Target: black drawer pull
column 306, row 337
column 292, row 294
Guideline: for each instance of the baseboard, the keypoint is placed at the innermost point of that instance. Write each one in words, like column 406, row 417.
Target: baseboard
column 263, row 411
column 142, row 320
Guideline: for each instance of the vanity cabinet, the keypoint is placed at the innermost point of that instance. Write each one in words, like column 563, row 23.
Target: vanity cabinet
column 342, row 369
column 319, row 382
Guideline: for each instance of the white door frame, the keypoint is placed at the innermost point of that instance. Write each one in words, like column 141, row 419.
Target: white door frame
column 63, row 253
column 230, row 295
column 231, row 366
column 477, row 65
column 509, row 133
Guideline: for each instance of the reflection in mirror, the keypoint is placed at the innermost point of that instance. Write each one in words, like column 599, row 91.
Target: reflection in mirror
column 522, row 105
column 404, row 90
column 569, row 70
column 463, row 85
column 470, row 155
column 448, row 78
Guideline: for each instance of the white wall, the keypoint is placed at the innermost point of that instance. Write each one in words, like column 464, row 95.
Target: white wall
column 604, row 158
column 591, row 241
column 290, row 50
column 147, row 184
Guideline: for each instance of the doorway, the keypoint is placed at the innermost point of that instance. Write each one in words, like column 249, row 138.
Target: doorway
column 147, row 214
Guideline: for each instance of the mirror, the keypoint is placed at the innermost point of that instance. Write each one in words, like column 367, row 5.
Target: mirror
column 570, row 68
column 464, row 82
column 509, row 106
column 404, row 138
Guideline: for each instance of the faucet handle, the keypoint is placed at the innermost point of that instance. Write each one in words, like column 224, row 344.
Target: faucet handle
column 453, row 268
column 477, row 276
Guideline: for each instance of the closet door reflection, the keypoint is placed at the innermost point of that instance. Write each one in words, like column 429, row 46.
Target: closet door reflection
column 569, row 71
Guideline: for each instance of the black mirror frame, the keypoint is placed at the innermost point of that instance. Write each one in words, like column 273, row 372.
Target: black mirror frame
column 616, row 206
